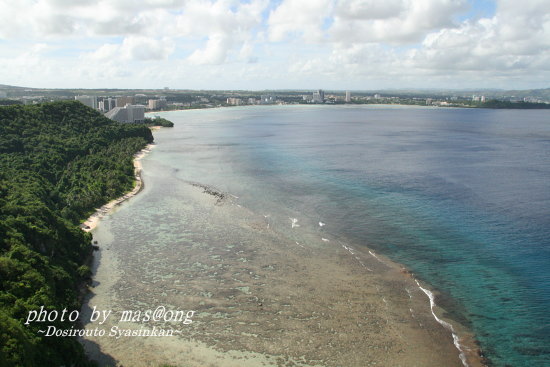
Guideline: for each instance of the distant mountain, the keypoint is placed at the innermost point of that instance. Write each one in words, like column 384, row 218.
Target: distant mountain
column 4, row 86
column 537, row 93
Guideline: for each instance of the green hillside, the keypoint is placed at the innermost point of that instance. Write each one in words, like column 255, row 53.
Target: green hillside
column 58, row 161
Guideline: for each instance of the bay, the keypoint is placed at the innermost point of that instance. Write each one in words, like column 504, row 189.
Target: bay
column 459, row 196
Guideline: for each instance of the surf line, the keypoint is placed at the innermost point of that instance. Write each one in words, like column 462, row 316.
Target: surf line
column 445, row 324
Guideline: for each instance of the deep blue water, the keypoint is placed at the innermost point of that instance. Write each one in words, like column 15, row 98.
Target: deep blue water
column 459, row 196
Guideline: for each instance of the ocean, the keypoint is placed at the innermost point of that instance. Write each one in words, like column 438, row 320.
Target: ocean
column 460, row 197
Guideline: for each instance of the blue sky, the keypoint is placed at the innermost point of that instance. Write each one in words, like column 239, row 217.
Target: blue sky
column 262, row 44
column 479, row 9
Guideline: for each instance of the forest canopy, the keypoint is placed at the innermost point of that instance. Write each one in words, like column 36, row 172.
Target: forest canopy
column 58, row 161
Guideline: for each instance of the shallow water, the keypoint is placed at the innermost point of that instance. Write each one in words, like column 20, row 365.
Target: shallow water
column 459, row 196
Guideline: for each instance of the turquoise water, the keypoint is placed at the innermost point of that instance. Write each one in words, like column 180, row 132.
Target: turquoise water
column 460, row 196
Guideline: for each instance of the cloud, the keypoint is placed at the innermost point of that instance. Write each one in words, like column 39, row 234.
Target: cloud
column 516, row 40
column 296, row 43
column 43, row 18
column 134, row 48
column 391, row 21
column 299, row 18
column 228, row 25
column 509, row 49
column 215, row 51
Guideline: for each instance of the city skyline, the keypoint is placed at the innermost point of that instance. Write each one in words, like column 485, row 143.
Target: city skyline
column 288, row 44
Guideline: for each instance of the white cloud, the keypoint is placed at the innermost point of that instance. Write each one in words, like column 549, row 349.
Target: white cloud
column 515, row 41
column 299, row 19
column 227, row 25
column 134, row 48
column 392, row 21
column 42, row 18
column 295, row 43
column 215, row 51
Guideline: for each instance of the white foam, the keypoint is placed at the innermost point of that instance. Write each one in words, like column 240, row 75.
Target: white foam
column 350, row 250
column 321, row 224
column 325, row 239
column 376, row 257
column 294, row 222
column 456, row 339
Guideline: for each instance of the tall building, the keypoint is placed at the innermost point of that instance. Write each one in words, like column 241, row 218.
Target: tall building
column 109, row 104
column 90, row 101
column 319, row 96
column 153, row 104
column 129, row 114
column 140, row 98
column 348, row 96
column 106, row 104
column 123, row 101
column 136, row 113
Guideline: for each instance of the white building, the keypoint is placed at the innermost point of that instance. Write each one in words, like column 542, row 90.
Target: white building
column 90, row 101
column 234, row 101
column 128, row 114
column 348, row 96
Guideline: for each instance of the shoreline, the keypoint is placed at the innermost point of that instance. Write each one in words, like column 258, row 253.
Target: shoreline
column 93, row 220
column 464, row 340
column 392, row 314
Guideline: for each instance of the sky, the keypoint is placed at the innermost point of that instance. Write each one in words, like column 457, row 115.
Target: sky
column 277, row 44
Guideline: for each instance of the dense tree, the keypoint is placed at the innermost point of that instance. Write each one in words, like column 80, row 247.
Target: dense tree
column 58, row 161
column 493, row 103
column 158, row 121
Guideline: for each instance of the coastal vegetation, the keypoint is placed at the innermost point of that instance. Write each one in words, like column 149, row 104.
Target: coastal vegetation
column 493, row 103
column 58, row 161
column 8, row 102
column 158, row 121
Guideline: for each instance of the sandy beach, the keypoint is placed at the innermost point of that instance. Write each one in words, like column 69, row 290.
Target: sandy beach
column 92, row 221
